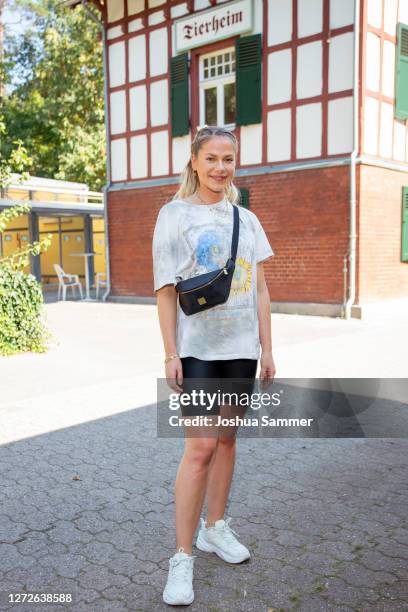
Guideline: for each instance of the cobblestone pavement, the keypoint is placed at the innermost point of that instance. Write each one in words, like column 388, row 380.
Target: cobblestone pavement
column 89, row 510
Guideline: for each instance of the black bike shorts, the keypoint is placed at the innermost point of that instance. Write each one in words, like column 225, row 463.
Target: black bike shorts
column 232, row 378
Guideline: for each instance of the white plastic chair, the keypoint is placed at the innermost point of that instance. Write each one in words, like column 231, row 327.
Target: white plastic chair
column 65, row 281
column 101, row 281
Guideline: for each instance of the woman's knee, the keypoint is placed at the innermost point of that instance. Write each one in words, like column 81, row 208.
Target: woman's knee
column 227, row 440
column 201, row 450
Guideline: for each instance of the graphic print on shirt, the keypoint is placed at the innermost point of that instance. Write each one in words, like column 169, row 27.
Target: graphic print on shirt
column 210, row 247
column 209, row 251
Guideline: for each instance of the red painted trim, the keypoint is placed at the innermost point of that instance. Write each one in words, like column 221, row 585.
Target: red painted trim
column 104, row 12
column 216, row 46
column 108, row 136
column 156, row 128
column 381, row 32
column 169, row 135
column 265, row 55
column 361, row 89
column 289, row 44
column 332, row 96
column 144, row 14
column 122, row 37
column 380, row 83
column 382, row 54
column 127, row 97
column 145, row 20
column 159, row 77
column 293, row 46
column 148, row 118
column 381, row 97
column 325, row 77
column 362, row 75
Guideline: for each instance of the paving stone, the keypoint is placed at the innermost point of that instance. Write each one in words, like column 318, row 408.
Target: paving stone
column 325, row 524
column 66, row 565
column 341, row 593
column 99, row 577
column 384, row 605
column 318, row 604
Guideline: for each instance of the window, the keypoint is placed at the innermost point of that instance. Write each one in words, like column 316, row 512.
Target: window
column 217, row 88
column 404, row 225
column 401, row 76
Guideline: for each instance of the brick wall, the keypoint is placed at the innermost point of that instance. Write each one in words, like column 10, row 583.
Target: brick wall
column 305, row 216
column 382, row 274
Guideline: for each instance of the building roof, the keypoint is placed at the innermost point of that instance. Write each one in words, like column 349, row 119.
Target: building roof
column 67, row 197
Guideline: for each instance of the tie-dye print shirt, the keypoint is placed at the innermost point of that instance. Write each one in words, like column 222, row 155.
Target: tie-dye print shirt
column 191, row 239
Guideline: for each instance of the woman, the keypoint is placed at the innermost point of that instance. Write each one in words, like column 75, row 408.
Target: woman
column 193, row 236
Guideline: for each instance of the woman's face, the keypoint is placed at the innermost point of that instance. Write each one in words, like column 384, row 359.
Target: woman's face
column 215, row 164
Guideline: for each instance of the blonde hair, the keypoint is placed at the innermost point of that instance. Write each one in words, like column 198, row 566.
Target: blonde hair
column 189, row 180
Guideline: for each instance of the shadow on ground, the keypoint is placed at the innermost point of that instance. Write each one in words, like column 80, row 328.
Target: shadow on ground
column 89, row 511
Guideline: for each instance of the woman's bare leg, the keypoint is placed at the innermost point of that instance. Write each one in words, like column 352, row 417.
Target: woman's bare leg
column 190, row 487
column 221, row 470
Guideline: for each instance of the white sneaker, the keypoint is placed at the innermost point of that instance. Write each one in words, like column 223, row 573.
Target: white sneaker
column 179, row 587
column 221, row 540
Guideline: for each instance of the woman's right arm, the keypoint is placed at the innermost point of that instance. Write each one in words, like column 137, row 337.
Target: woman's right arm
column 167, row 311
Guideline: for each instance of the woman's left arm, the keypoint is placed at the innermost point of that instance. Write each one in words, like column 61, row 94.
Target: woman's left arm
column 268, row 370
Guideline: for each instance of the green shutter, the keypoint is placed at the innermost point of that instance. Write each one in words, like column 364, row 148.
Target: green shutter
column 179, row 95
column 401, row 73
column 404, row 225
column 244, row 197
column 248, row 54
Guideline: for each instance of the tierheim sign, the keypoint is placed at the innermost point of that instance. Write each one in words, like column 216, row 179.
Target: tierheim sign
column 214, row 24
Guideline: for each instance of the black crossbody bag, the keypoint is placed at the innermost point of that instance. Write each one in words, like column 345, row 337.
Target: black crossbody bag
column 207, row 290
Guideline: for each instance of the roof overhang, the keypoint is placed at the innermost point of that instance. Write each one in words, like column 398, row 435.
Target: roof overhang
column 57, row 208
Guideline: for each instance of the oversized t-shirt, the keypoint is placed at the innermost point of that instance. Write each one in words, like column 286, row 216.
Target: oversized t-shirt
column 192, row 239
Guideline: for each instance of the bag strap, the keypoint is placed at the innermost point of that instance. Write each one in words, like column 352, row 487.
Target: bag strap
column 235, row 233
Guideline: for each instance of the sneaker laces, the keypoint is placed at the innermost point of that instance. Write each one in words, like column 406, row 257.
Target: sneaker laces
column 180, row 568
column 227, row 532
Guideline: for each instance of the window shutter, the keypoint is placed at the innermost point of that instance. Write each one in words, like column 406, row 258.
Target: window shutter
column 248, row 79
column 179, row 95
column 404, row 225
column 244, row 197
column 401, row 76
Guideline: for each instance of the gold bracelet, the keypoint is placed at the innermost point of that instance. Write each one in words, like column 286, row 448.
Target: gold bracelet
column 170, row 358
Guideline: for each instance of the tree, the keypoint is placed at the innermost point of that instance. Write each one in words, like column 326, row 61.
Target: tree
column 55, row 101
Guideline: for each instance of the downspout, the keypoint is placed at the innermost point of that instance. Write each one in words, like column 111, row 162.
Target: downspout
column 353, row 163
column 108, row 179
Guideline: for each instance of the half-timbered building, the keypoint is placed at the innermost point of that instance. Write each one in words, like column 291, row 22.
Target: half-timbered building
column 316, row 92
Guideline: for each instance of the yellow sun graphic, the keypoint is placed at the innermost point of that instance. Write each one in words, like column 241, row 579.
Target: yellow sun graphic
column 241, row 281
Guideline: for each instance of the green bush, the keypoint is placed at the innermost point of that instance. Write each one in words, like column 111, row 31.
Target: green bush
column 21, row 325
column 21, row 299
